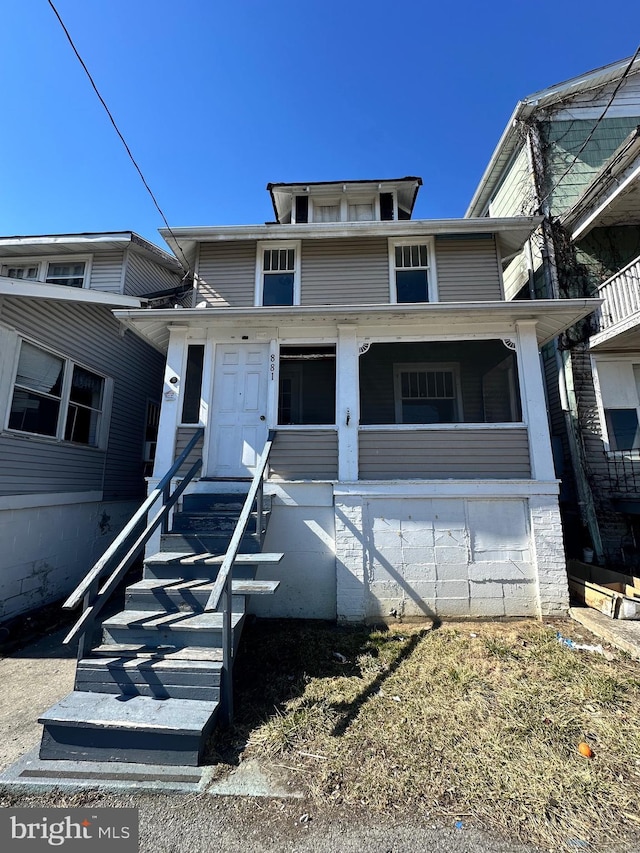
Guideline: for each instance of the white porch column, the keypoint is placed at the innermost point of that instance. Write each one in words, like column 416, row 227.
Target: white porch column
column 347, row 402
column 169, row 420
column 170, row 409
column 534, row 404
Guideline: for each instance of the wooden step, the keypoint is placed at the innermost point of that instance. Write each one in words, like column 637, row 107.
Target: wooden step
column 161, row 628
column 203, row 564
column 177, row 594
column 150, row 676
column 88, row 726
column 215, row 543
column 213, row 502
column 213, row 523
column 166, row 652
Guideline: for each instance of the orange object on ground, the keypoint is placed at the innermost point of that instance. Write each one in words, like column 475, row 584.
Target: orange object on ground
column 585, row 749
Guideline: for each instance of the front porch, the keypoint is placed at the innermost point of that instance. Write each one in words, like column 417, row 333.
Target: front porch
column 411, row 473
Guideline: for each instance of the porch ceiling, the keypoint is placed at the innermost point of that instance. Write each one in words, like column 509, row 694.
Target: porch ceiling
column 551, row 315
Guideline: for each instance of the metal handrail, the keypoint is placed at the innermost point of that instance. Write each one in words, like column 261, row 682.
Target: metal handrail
column 88, row 590
column 222, row 588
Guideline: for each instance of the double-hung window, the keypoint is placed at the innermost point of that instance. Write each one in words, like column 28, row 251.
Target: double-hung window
column 619, row 392
column 278, row 274
column 70, row 273
column 53, row 396
column 411, row 270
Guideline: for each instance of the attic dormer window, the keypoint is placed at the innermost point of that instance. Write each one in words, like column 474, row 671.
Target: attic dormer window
column 326, row 211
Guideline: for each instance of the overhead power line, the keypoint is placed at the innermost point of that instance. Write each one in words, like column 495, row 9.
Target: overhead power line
column 595, row 126
column 185, row 265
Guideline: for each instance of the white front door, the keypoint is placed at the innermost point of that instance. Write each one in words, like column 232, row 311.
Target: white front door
column 238, row 421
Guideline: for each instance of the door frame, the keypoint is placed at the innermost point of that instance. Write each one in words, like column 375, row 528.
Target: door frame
column 208, row 381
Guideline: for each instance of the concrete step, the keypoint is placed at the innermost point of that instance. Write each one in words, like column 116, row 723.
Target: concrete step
column 179, row 595
column 150, row 676
column 88, row 726
column 159, row 628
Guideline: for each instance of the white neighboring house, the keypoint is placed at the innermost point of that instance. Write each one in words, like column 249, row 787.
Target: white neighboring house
column 79, row 403
column 412, row 472
column 572, row 152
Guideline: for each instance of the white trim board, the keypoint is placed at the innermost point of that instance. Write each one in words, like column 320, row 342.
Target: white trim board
column 448, row 488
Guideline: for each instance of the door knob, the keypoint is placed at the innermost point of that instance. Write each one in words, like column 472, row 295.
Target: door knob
column 263, row 418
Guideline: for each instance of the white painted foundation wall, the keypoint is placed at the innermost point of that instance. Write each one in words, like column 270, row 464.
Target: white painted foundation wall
column 379, row 556
column 46, row 550
column 414, row 556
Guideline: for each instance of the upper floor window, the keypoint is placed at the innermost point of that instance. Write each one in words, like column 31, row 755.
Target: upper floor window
column 278, row 274
column 71, row 273
column 53, row 396
column 26, row 271
column 411, row 270
column 619, row 396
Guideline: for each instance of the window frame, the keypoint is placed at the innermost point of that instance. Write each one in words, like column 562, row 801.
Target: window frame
column 102, row 431
column 597, row 362
column 427, row 366
column 432, row 280
column 42, row 263
column 299, row 391
column 266, row 245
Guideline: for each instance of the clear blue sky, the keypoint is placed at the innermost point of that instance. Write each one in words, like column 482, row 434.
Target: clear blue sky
column 216, row 99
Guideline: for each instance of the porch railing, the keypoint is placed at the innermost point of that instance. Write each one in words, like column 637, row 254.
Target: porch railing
column 129, row 543
column 621, row 295
column 222, row 589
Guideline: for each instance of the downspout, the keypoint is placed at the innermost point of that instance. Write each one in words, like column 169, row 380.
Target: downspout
column 564, row 366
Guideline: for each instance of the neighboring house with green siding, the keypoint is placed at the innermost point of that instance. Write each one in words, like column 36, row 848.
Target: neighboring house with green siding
column 572, row 153
column 79, row 403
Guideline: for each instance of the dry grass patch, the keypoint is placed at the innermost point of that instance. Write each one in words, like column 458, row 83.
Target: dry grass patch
column 479, row 720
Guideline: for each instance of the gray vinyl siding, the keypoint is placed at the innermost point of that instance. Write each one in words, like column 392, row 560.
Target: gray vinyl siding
column 90, row 336
column 444, row 454
column 297, row 455
column 467, row 269
column 106, row 272
column 183, row 437
column 34, row 466
column 345, row 272
column 227, row 273
column 143, row 275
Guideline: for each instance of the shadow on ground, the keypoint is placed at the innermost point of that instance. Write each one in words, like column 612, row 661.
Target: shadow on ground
column 277, row 659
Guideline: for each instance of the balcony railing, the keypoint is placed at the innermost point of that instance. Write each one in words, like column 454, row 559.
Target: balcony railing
column 621, row 295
